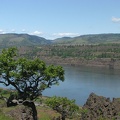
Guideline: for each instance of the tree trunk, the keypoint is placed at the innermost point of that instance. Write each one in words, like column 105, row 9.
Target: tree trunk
column 63, row 116
column 34, row 110
column 9, row 101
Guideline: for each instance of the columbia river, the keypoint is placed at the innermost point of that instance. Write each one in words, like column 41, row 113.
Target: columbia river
column 81, row 81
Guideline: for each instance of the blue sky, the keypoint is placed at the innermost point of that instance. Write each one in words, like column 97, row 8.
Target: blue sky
column 58, row 18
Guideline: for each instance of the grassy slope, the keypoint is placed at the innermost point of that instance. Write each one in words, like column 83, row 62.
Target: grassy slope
column 3, row 117
column 44, row 113
column 90, row 39
column 7, row 40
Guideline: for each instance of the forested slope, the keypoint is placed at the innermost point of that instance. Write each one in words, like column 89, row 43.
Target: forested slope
column 102, row 55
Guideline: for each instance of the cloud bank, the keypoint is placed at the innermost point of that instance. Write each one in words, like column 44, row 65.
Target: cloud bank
column 115, row 19
column 36, row 33
column 67, row 34
column 2, row 31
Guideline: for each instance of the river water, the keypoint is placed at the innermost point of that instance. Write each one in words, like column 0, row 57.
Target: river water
column 81, row 81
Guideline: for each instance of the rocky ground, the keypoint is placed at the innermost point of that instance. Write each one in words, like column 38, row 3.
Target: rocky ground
column 95, row 108
column 101, row 108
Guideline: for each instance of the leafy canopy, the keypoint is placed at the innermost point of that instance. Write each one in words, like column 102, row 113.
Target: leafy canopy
column 62, row 105
column 28, row 77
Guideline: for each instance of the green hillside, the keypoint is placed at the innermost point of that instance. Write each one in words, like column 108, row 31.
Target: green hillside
column 7, row 40
column 89, row 39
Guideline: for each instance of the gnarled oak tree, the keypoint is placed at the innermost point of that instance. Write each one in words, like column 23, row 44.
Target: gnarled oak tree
column 28, row 77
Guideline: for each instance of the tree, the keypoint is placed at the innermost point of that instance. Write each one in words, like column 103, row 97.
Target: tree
column 28, row 77
column 62, row 105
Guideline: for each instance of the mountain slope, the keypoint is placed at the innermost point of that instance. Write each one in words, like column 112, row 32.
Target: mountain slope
column 7, row 40
column 90, row 39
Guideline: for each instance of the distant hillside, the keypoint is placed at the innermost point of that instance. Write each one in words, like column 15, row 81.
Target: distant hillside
column 7, row 40
column 89, row 39
column 62, row 40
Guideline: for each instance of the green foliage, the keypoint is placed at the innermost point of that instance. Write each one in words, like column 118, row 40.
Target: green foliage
column 62, row 105
column 83, row 112
column 28, row 77
column 4, row 92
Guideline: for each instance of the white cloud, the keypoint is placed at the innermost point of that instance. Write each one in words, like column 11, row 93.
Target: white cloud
column 67, row 34
column 36, row 33
column 23, row 30
column 2, row 31
column 116, row 20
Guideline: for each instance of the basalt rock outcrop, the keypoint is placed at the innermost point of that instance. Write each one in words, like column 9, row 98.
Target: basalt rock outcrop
column 20, row 112
column 101, row 108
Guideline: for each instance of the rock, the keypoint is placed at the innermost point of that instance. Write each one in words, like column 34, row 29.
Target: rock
column 21, row 112
column 98, row 107
column 57, row 118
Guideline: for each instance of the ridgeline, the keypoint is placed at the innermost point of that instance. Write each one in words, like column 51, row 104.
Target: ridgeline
column 101, row 50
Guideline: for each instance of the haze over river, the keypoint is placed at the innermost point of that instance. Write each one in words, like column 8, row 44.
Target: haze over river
column 81, row 81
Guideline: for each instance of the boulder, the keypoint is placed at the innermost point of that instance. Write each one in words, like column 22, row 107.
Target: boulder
column 20, row 112
column 99, row 107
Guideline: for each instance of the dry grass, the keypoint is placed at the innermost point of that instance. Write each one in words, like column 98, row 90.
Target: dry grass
column 46, row 113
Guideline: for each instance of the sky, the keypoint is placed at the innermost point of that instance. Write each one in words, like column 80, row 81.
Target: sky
column 59, row 18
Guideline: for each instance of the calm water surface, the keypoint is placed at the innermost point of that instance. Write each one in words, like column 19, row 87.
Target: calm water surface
column 81, row 81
